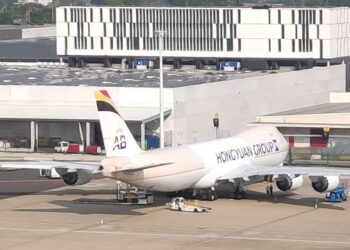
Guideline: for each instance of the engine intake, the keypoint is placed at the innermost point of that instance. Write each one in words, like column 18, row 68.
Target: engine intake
column 285, row 183
column 70, row 178
column 325, row 183
column 80, row 177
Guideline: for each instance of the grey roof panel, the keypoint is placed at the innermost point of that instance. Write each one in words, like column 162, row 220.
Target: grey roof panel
column 55, row 75
column 325, row 108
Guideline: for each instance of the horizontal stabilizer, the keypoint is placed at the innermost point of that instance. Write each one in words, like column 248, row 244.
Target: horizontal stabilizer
column 134, row 168
column 13, row 165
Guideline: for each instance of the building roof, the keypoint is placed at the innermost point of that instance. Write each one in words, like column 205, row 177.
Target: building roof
column 333, row 115
column 55, row 75
column 69, row 112
column 325, row 108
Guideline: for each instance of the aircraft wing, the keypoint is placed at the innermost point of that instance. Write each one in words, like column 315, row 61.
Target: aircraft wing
column 258, row 170
column 13, row 165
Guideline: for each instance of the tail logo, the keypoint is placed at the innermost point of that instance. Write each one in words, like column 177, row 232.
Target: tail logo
column 119, row 140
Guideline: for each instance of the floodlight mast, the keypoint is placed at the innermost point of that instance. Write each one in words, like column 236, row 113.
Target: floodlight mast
column 161, row 34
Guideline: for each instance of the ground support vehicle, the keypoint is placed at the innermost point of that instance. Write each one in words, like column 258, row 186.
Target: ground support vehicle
column 180, row 204
column 338, row 195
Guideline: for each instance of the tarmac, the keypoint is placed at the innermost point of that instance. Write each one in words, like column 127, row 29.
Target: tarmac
column 53, row 219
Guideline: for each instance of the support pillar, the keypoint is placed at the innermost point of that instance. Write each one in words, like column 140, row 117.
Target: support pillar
column 143, row 136
column 129, row 61
column 87, row 133
column 36, row 136
column 72, row 62
column 177, row 64
column 81, row 63
column 107, row 63
column 32, row 136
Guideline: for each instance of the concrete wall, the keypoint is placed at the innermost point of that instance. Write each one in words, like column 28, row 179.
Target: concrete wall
column 80, row 97
column 47, row 31
column 339, row 97
column 241, row 101
column 10, row 33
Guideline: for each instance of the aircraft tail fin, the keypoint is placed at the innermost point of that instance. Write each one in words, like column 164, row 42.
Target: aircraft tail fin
column 117, row 137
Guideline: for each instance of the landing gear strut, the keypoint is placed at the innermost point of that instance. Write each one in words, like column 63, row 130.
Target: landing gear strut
column 238, row 191
column 211, row 194
column 202, row 194
column 206, row 194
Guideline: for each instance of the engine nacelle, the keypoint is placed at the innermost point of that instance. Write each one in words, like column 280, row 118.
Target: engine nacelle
column 80, row 177
column 287, row 183
column 325, row 183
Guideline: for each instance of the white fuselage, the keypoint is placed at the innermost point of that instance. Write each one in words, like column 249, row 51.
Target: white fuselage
column 202, row 165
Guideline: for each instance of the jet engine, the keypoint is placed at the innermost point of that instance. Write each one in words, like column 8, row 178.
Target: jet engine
column 286, row 182
column 80, row 177
column 325, row 183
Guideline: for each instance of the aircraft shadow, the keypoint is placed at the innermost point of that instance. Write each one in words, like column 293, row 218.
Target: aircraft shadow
column 291, row 199
column 78, row 207
column 280, row 197
column 58, row 192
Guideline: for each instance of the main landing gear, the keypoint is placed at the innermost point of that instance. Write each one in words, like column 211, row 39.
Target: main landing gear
column 208, row 194
column 238, row 191
column 211, row 194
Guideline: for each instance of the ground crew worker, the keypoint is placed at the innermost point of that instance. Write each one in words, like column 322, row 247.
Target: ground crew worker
column 271, row 190
column 267, row 190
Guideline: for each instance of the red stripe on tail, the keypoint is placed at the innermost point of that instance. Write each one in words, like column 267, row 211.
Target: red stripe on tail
column 105, row 93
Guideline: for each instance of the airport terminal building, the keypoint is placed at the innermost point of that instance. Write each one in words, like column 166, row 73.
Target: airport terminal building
column 41, row 105
column 276, row 35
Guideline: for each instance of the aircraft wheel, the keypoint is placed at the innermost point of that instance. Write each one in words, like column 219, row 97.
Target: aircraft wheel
column 195, row 210
column 179, row 209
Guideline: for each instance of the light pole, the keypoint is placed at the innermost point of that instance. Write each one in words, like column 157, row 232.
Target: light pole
column 161, row 35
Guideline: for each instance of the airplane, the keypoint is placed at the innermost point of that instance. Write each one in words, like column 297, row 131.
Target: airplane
column 251, row 156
